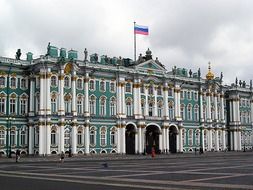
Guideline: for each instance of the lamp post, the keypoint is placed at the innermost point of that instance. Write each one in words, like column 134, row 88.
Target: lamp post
column 8, row 148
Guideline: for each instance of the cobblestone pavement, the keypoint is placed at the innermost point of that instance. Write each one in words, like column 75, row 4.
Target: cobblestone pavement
column 230, row 170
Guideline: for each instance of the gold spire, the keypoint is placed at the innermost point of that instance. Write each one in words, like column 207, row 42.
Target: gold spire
column 209, row 75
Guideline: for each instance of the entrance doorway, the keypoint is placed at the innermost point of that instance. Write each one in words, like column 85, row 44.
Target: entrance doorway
column 130, row 139
column 152, row 139
column 173, row 139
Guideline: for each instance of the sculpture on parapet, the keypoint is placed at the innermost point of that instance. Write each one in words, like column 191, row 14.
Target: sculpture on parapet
column 140, row 59
column 221, row 76
column 244, row 84
column 96, row 57
column 48, row 48
column 236, row 81
column 250, row 85
column 85, row 54
column 18, row 54
column 190, row 73
column 199, row 73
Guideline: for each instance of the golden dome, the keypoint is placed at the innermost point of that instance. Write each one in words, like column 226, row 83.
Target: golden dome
column 209, row 75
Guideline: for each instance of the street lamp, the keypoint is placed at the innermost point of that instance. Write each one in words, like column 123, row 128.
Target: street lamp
column 8, row 150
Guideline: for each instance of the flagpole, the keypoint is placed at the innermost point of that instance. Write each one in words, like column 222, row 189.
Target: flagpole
column 134, row 43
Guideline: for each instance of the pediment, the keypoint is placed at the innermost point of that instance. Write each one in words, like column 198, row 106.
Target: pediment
column 151, row 65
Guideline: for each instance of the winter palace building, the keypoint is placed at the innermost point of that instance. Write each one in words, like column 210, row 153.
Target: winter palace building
column 58, row 102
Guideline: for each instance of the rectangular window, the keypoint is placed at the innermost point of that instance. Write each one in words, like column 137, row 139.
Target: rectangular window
column 23, row 106
column 79, row 107
column 53, row 105
column 2, row 105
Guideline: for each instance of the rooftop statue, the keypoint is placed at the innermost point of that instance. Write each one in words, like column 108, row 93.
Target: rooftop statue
column 96, row 57
column 148, row 54
column 48, row 48
column 85, row 54
column 140, row 59
column 18, row 54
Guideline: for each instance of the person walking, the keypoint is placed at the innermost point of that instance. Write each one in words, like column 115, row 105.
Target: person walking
column 62, row 157
column 17, row 155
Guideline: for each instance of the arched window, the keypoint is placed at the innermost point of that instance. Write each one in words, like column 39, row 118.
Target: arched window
column 197, row 137
column 92, row 85
column 2, row 81
column 159, row 90
column 23, row 83
column 113, row 106
column 13, row 82
column 53, row 137
column 2, row 105
column 196, row 113
column 113, row 136
column 66, row 82
column 13, row 137
column 112, row 86
column 103, row 136
column 143, row 106
column 23, row 105
column 79, row 83
column 2, row 137
column 53, row 104
column 92, row 136
column 184, row 136
column 92, row 105
column 151, row 109
column 53, row 81
column 129, row 107
column 79, row 137
column 67, row 102
column 151, row 90
column 182, row 111
column 160, row 108
column 190, row 137
column 189, row 95
column 79, row 104
column 102, row 106
column 102, row 86
column 67, row 137
column 171, row 110
column 189, row 112
column 128, row 87
column 195, row 96
column 23, row 138
column 13, row 106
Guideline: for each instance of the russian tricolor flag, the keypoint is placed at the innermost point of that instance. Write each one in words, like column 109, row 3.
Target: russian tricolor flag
column 140, row 29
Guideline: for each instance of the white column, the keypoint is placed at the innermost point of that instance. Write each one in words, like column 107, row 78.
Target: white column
column 140, row 140
column 31, row 140
column 167, row 136
column 239, row 140
column 136, row 143
column 48, row 138
column 86, row 95
column 165, row 102
column 235, row 140
column 160, row 141
column 61, row 108
column 137, row 98
column 87, row 139
column 155, row 99
column 232, row 139
column 180, row 140
column 143, row 130
column 177, row 102
column 61, row 138
column 222, row 107
column 163, row 146
column 201, row 106
column 146, row 100
column 119, row 97
column 73, row 139
column 224, row 139
column 202, row 139
column 31, row 98
column 42, row 107
column 41, row 140
column 215, row 106
column 123, row 100
column 73, row 89
column 210, row 144
column 208, row 101
column 123, row 140
column 251, row 111
column 48, row 94
column 118, row 139
column 217, row 140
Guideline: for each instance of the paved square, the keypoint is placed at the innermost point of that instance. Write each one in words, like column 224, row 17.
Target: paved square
column 218, row 171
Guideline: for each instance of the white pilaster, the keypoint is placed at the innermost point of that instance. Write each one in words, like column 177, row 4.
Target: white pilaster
column 123, row 100
column 73, row 139
column 215, row 106
column 224, row 139
column 140, row 150
column 210, row 138
column 41, row 139
column 201, row 106
column 180, row 140
column 87, row 139
column 208, row 101
column 163, row 145
column 137, row 98
column 146, row 100
column 165, row 102
column 118, row 139
column 61, row 108
column 177, row 102
column 239, row 140
column 73, row 89
column 61, row 138
column 31, row 98
column 48, row 138
column 217, row 140
column 222, row 107
column 167, row 136
column 86, row 95
column 123, row 140
column 155, row 99
column 31, row 140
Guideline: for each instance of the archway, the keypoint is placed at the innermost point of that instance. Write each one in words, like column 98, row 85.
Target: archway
column 152, row 139
column 130, row 139
column 173, row 139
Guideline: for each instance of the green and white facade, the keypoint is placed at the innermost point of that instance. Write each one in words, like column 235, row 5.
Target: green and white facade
column 112, row 105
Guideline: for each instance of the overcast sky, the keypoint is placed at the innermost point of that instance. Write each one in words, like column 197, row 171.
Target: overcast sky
column 187, row 33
